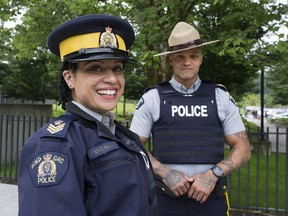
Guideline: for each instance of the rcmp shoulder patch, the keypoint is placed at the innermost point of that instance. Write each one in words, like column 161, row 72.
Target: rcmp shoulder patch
column 58, row 127
column 48, row 168
column 225, row 89
column 232, row 100
column 140, row 103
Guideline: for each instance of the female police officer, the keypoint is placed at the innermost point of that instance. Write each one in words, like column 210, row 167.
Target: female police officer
column 85, row 162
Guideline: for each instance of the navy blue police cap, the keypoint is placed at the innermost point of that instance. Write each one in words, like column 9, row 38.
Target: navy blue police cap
column 92, row 37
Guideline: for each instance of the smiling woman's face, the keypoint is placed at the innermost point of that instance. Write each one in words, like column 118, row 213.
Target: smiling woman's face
column 97, row 85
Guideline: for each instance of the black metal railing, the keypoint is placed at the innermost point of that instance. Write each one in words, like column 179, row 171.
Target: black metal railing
column 262, row 184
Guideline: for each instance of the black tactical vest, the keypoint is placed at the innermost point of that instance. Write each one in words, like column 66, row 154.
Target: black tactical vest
column 188, row 130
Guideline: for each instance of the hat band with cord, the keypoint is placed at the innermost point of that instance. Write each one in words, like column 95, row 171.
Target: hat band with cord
column 90, row 40
column 186, row 45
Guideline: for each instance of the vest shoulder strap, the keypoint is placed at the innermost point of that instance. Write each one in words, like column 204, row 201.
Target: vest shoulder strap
column 165, row 88
column 222, row 87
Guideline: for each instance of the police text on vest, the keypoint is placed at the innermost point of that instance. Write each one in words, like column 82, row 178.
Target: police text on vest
column 189, row 111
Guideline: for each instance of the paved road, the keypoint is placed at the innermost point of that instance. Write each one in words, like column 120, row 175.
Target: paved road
column 273, row 137
column 8, row 200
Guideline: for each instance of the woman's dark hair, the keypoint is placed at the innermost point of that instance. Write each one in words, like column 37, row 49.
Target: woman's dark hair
column 64, row 90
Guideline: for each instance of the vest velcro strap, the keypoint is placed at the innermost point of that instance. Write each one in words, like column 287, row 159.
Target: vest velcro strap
column 188, row 132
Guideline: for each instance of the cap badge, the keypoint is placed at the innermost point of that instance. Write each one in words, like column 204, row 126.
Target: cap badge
column 108, row 39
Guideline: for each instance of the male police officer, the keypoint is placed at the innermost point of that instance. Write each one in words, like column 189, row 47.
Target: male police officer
column 188, row 119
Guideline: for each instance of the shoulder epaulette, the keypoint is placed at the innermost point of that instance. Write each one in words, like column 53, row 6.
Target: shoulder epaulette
column 149, row 88
column 58, row 126
column 165, row 88
column 153, row 87
column 207, row 81
column 222, row 87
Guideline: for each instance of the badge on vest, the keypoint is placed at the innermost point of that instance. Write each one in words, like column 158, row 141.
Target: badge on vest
column 48, row 168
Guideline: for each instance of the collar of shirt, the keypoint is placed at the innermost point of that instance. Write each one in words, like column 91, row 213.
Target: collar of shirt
column 107, row 120
column 181, row 88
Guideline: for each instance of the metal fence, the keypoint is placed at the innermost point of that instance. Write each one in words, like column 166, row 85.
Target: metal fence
column 14, row 131
column 262, row 184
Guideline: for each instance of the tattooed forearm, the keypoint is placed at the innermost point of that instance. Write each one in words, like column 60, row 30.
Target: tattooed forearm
column 239, row 154
column 242, row 135
column 172, row 178
column 228, row 162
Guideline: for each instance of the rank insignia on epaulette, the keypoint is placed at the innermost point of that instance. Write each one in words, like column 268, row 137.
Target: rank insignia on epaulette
column 48, row 168
column 56, row 127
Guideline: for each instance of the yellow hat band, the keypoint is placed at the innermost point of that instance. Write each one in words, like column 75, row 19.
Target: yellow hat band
column 90, row 40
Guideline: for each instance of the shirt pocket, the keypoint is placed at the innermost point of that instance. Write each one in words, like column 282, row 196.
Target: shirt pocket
column 114, row 176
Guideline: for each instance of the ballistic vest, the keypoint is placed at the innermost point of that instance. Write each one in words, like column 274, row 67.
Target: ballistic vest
column 188, row 130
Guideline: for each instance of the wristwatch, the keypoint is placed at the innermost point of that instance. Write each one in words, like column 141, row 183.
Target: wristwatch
column 217, row 171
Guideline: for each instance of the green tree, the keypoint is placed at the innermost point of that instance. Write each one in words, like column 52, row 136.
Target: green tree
column 238, row 24
column 136, row 81
column 28, row 80
column 277, row 78
column 234, row 61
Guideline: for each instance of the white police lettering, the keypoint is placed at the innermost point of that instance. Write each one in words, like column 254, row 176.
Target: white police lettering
column 189, row 111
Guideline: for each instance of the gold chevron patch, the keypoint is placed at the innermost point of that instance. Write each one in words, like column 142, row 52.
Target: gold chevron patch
column 54, row 129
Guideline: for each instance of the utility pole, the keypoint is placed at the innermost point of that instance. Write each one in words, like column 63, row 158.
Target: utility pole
column 262, row 104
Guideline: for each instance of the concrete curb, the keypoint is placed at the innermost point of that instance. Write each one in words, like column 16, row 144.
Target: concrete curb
column 8, row 200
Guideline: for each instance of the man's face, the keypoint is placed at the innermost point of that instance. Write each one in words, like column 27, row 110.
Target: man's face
column 186, row 65
column 97, row 85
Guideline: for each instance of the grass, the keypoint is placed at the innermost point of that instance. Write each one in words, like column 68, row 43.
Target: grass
column 255, row 184
column 119, row 110
column 6, row 170
column 260, row 183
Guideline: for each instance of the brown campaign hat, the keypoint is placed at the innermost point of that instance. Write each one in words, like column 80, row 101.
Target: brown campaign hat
column 184, row 37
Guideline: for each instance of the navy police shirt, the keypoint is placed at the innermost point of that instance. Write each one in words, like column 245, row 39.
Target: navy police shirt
column 75, row 166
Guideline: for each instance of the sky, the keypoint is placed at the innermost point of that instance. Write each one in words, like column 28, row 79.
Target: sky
column 283, row 30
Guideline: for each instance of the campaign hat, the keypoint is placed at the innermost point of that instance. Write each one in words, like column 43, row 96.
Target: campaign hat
column 92, row 37
column 183, row 37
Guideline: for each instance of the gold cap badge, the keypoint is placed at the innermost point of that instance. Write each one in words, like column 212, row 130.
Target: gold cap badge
column 108, row 39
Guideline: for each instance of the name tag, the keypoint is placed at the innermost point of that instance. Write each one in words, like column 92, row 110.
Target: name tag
column 102, row 149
